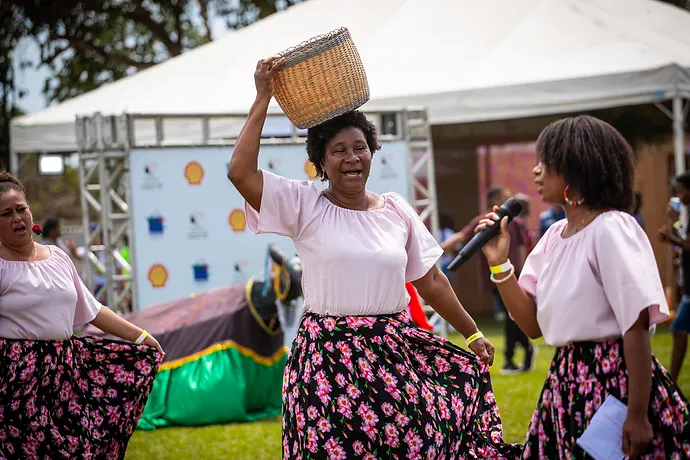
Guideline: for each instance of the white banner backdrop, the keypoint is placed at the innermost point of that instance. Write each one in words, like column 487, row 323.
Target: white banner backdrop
column 188, row 220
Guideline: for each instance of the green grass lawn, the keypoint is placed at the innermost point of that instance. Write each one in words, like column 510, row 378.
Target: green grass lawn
column 516, row 397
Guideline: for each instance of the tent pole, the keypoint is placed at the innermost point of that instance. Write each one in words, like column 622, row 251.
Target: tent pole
column 679, row 143
column 14, row 162
column 679, row 134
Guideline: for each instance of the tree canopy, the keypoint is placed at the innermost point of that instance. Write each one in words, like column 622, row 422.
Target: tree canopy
column 90, row 43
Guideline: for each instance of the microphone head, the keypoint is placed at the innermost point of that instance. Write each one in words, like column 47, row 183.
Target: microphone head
column 512, row 207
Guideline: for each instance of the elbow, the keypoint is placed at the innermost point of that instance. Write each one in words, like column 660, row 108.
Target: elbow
column 534, row 334
column 233, row 175
column 239, row 174
column 532, row 330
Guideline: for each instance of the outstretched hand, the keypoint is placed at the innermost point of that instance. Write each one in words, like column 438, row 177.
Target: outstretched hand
column 264, row 73
column 496, row 249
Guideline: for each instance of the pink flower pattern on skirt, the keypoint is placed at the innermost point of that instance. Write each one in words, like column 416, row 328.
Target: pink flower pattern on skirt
column 77, row 398
column 581, row 377
column 379, row 387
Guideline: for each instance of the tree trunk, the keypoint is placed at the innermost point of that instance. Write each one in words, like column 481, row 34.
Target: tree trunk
column 5, row 116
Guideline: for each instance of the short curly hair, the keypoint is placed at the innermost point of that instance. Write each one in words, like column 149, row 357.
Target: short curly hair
column 9, row 182
column 320, row 135
column 593, row 158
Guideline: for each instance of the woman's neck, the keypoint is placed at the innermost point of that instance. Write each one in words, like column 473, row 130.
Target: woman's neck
column 358, row 201
column 578, row 218
column 575, row 214
column 25, row 250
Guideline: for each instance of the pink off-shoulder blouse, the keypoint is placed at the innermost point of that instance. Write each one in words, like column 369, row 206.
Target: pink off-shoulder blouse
column 594, row 285
column 43, row 300
column 354, row 262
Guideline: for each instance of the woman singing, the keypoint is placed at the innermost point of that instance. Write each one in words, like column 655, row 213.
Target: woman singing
column 591, row 288
column 361, row 380
column 61, row 397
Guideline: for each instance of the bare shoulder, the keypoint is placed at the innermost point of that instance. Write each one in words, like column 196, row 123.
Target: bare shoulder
column 376, row 201
column 44, row 252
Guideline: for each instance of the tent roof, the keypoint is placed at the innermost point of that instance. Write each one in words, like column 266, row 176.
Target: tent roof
column 463, row 60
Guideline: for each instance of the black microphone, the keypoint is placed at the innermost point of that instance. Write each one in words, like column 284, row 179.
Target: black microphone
column 510, row 208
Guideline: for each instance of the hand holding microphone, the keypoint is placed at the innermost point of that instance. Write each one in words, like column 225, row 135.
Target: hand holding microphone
column 496, row 249
column 491, row 239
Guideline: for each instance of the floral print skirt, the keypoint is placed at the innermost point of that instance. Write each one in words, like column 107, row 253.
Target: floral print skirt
column 76, row 398
column 371, row 387
column 581, row 377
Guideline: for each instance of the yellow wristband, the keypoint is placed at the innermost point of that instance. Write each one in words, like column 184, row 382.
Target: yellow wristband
column 498, row 269
column 677, row 225
column 473, row 337
column 141, row 338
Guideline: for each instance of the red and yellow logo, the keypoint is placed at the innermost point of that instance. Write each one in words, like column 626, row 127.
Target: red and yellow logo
column 310, row 169
column 237, row 220
column 194, row 173
column 158, row 275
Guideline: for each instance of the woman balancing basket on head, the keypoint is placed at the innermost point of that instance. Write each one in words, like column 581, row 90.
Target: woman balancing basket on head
column 61, row 397
column 361, row 381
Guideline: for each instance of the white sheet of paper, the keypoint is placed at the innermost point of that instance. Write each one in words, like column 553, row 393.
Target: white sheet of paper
column 603, row 438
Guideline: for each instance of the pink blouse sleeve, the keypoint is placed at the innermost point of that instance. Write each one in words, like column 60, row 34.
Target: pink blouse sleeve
column 423, row 251
column 87, row 307
column 628, row 272
column 286, row 206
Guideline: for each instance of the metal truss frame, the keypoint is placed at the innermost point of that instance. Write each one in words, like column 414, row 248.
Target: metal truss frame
column 105, row 145
column 105, row 196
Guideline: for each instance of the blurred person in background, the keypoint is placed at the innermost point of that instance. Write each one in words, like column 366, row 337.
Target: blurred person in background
column 637, row 209
column 52, row 235
column 496, row 196
column 98, row 275
column 549, row 217
column 676, row 234
column 528, row 234
column 446, row 230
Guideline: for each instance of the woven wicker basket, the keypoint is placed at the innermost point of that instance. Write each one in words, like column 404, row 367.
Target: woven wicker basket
column 321, row 79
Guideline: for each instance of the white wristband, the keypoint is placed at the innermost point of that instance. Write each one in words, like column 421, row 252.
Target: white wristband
column 141, row 338
column 504, row 267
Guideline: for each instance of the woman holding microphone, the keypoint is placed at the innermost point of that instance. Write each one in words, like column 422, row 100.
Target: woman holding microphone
column 591, row 288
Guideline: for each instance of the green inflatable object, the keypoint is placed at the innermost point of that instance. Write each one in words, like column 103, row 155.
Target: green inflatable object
column 224, row 384
column 224, row 359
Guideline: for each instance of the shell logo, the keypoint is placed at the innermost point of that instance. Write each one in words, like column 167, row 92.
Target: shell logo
column 237, row 220
column 194, row 173
column 310, row 169
column 158, row 275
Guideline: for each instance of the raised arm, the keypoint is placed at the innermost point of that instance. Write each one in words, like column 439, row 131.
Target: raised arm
column 243, row 171
column 520, row 304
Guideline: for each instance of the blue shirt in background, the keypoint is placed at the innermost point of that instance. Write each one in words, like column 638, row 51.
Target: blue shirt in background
column 550, row 217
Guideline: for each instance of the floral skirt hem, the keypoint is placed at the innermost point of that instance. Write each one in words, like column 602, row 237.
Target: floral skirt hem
column 76, row 398
column 369, row 387
column 581, row 377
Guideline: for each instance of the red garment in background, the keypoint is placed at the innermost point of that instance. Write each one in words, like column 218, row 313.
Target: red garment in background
column 416, row 311
column 527, row 236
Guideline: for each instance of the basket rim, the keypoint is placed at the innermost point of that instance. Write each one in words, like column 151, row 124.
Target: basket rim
column 290, row 52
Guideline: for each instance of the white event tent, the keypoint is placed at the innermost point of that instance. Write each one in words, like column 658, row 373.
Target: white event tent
column 464, row 60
